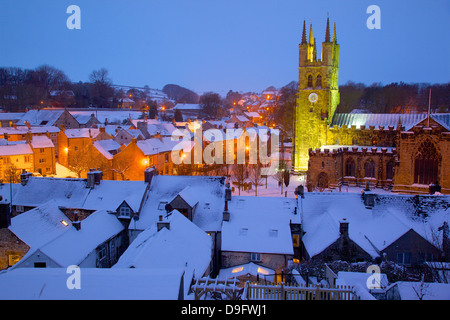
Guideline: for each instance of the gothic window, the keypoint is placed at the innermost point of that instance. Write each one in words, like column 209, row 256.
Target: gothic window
column 350, row 167
column 310, row 81
column 319, row 81
column 322, row 181
column 426, row 163
column 369, row 169
column 390, row 170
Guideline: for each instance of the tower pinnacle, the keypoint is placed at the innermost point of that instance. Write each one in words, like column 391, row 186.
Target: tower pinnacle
column 327, row 31
column 304, row 33
column 334, row 34
column 311, row 38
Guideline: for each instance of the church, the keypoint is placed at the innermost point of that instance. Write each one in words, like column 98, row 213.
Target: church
column 405, row 153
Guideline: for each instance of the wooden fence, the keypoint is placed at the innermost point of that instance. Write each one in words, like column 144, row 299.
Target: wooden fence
column 255, row 291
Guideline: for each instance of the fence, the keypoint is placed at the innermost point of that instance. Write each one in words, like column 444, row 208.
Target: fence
column 294, row 292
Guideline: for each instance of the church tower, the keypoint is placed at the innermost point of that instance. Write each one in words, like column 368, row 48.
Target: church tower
column 318, row 94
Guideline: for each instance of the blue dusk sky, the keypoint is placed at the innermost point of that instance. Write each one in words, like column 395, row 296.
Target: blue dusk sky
column 218, row 45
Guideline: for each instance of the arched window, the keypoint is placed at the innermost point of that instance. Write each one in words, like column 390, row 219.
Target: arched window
column 390, row 170
column 310, row 81
column 322, row 181
column 369, row 169
column 319, row 81
column 350, row 167
column 426, row 163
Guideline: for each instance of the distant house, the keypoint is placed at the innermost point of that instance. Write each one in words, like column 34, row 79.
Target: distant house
column 49, row 117
column 15, row 157
column 86, row 120
column 125, row 136
column 7, row 119
column 43, row 155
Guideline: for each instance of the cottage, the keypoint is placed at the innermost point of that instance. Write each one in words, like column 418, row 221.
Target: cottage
column 347, row 226
column 258, row 230
column 172, row 242
column 83, row 243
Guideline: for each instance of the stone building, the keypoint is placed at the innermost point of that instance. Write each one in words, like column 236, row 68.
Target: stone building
column 403, row 152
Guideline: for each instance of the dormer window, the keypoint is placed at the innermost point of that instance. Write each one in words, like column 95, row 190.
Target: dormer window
column 125, row 211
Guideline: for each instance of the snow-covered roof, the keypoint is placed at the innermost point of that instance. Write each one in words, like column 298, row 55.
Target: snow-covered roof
column 40, row 225
column 187, row 106
column 96, row 284
column 41, row 117
column 41, row 142
column 82, row 133
column 73, row 246
column 106, row 146
column 372, row 229
column 13, row 149
column 385, row 119
column 183, row 246
column 425, row 290
column 209, row 192
column 259, row 224
column 154, row 145
column 347, row 278
column 72, row 193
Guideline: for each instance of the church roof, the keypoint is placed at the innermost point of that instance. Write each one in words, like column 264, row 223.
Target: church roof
column 386, row 119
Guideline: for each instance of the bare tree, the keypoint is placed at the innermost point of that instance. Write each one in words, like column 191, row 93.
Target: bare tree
column 255, row 176
column 239, row 175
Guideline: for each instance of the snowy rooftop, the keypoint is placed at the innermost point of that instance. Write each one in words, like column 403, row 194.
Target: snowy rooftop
column 208, row 191
column 41, row 142
column 106, row 146
column 96, row 284
column 386, row 120
column 183, row 246
column 259, row 224
column 40, row 117
column 15, row 149
column 372, row 229
column 40, row 225
column 72, row 193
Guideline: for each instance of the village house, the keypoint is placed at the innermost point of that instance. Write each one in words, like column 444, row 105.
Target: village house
column 260, row 230
column 44, row 160
column 49, row 117
column 372, row 227
column 15, row 157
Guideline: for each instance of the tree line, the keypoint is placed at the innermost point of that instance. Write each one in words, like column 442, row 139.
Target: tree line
column 376, row 98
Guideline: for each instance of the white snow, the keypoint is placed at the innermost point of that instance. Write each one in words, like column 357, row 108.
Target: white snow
column 95, row 284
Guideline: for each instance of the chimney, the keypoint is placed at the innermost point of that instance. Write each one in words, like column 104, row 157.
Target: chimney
column 368, row 197
column 24, row 177
column 343, row 227
column 90, row 179
column 149, row 173
column 226, row 213
column 98, row 175
column 162, row 224
column 76, row 221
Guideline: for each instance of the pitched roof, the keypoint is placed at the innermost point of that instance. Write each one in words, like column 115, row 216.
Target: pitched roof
column 372, row 229
column 209, row 192
column 41, row 117
column 386, row 119
column 96, row 284
column 259, row 224
column 183, row 246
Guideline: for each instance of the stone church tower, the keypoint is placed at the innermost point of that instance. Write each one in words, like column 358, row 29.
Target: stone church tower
column 318, row 95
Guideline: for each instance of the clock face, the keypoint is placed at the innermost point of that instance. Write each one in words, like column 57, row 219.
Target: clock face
column 313, row 97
